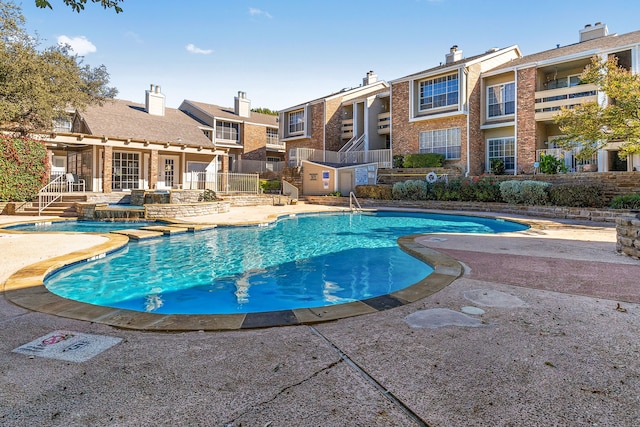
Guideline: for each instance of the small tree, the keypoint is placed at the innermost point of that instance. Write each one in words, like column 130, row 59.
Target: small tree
column 38, row 87
column 590, row 127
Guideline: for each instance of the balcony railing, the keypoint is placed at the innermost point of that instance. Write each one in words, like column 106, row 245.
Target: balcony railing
column 222, row 183
column 384, row 123
column 549, row 102
column 381, row 157
column 347, row 129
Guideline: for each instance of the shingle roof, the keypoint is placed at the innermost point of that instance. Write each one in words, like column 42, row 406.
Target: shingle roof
column 229, row 113
column 126, row 119
column 453, row 64
column 602, row 43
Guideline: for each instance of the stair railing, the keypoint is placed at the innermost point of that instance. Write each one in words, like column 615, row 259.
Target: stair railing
column 289, row 190
column 51, row 192
column 354, row 204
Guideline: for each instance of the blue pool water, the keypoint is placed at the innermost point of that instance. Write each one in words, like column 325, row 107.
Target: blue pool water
column 81, row 226
column 301, row 261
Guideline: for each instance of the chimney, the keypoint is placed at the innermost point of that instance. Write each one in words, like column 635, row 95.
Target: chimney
column 154, row 101
column 242, row 105
column 596, row 31
column 370, row 78
column 453, row 55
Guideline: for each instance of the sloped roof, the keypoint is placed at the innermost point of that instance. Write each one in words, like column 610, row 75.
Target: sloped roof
column 229, row 113
column 344, row 92
column 599, row 44
column 126, row 119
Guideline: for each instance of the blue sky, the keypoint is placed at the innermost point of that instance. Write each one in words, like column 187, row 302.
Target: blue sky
column 282, row 53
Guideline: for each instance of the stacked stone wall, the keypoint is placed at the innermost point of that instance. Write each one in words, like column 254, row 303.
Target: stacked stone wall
column 628, row 233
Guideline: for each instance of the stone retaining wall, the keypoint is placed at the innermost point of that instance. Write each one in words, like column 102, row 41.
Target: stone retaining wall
column 258, row 200
column 561, row 212
column 628, row 231
column 158, row 211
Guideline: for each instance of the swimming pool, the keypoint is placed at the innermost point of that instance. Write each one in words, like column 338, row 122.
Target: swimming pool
column 80, row 226
column 300, row 261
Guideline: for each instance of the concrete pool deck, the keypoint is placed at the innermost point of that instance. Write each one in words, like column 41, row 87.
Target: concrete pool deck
column 557, row 344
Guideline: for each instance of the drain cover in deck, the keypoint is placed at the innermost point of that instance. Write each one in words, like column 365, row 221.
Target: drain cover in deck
column 67, row 345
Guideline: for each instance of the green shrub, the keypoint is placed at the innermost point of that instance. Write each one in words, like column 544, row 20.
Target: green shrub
column 379, row 192
column 486, row 189
column 270, row 186
column 410, row 190
column 398, row 161
column 335, row 194
column 208, row 196
column 510, row 192
column 23, row 168
column 525, row 192
column 551, row 165
column 424, row 160
column 577, row 195
column 534, row 192
column 628, row 201
column 497, row 166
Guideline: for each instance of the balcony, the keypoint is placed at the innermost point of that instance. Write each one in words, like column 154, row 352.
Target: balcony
column 549, row 102
column 347, row 129
column 384, row 123
column 274, row 144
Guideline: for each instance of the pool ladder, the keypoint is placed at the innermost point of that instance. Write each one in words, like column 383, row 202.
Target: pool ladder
column 354, row 204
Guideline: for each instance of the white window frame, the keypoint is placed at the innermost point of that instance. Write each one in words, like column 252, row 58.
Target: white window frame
column 441, row 141
column 504, row 154
column 227, row 131
column 437, row 84
column 272, row 136
column 295, row 122
column 501, row 95
column 126, row 165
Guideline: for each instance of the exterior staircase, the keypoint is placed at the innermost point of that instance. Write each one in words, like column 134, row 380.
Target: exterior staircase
column 65, row 207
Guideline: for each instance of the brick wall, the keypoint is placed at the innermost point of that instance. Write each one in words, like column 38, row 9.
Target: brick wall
column 476, row 137
column 108, row 169
column 333, row 129
column 255, row 142
column 526, row 137
column 406, row 135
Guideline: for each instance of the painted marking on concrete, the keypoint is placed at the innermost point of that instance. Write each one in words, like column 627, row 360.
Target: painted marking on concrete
column 491, row 298
column 441, row 317
column 437, row 239
column 472, row 310
column 68, row 345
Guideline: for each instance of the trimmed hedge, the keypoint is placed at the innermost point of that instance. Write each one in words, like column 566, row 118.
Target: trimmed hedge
column 379, row 192
column 525, row 192
column 423, row 160
column 23, row 168
column 577, row 196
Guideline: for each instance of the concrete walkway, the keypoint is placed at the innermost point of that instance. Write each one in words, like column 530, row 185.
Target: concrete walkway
column 542, row 329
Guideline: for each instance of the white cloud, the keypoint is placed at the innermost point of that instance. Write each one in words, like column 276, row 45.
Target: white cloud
column 133, row 36
column 194, row 49
column 79, row 45
column 256, row 12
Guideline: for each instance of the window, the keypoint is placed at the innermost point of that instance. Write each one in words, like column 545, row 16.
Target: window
column 228, row 131
column 443, row 141
column 272, row 136
column 501, row 100
column 296, row 122
column 502, row 148
column 126, row 170
column 439, row 92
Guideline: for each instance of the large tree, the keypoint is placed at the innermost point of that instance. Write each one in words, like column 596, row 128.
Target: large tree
column 78, row 5
column 40, row 86
column 592, row 126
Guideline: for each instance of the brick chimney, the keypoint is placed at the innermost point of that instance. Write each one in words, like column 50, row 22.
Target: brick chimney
column 154, row 101
column 242, row 105
column 595, row 31
column 454, row 55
